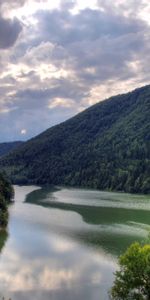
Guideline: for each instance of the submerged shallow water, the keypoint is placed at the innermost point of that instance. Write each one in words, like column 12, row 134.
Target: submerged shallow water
column 64, row 243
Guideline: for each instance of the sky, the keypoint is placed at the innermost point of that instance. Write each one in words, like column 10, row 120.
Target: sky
column 59, row 57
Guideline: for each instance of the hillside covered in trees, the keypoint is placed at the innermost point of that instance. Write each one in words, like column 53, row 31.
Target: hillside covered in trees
column 6, row 194
column 5, row 148
column 106, row 146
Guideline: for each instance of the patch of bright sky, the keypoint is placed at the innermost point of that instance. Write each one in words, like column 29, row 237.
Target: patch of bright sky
column 26, row 12
column 23, row 131
column 82, row 4
column 50, row 71
column 145, row 13
column 31, row 7
column 61, row 102
column 15, row 70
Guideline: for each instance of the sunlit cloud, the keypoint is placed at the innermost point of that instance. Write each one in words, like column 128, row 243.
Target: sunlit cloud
column 61, row 102
column 63, row 56
column 5, row 110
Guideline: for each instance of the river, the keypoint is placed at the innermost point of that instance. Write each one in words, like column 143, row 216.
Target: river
column 63, row 243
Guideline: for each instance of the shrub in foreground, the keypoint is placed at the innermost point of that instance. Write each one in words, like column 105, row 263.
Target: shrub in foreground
column 132, row 281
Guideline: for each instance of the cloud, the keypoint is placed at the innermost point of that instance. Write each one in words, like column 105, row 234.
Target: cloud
column 9, row 32
column 94, row 46
column 61, row 102
column 13, row 2
column 67, row 4
column 66, row 59
column 123, row 7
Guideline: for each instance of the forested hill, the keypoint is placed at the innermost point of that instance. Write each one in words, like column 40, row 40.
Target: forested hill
column 7, row 147
column 106, row 146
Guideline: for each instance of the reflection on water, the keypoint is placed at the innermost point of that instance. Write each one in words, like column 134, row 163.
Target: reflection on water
column 115, row 226
column 63, row 243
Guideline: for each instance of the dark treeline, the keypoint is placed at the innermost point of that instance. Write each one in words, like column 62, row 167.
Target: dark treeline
column 106, row 147
column 6, row 194
column 7, row 147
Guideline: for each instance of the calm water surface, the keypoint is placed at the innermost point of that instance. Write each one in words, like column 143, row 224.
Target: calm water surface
column 64, row 243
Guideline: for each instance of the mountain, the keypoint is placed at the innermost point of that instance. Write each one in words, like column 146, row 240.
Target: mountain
column 107, row 146
column 7, row 147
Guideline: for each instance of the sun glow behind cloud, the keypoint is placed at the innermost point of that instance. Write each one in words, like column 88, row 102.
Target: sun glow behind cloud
column 30, row 7
column 28, row 10
column 23, row 131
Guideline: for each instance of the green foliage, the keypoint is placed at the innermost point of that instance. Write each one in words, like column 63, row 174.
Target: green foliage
column 6, row 190
column 7, row 147
column 3, row 239
column 132, row 281
column 6, row 193
column 105, row 147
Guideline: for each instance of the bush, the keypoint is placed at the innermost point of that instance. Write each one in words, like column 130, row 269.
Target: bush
column 132, row 281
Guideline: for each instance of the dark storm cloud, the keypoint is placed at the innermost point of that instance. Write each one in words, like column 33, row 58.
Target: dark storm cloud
column 9, row 32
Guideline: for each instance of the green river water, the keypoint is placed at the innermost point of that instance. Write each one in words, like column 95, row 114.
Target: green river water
column 63, row 243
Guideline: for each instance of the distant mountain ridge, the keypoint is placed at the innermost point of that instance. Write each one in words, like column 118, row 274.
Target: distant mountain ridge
column 5, row 148
column 107, row 146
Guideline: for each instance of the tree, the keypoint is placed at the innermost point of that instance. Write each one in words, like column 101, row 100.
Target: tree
column 132, row 281
column 6, row 193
